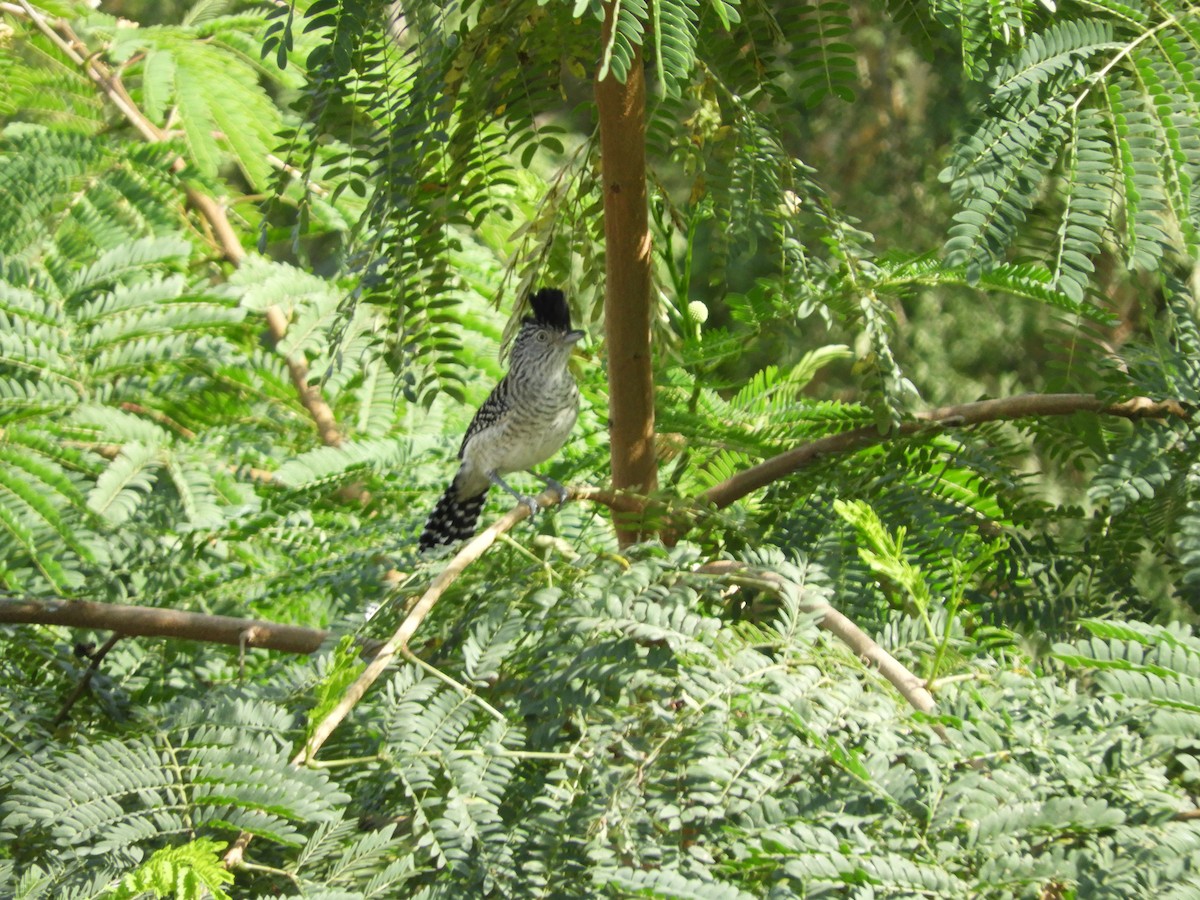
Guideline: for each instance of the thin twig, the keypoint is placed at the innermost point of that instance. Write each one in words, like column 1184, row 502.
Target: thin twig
column 93, row 667
column 310, row 394
column 911, row 687
column 470, row 552
column 458, row 686
column 108, row 81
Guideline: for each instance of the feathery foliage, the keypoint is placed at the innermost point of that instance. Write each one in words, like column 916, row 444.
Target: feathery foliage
column 573, row 718
column 1100, row 109
column 656, row 743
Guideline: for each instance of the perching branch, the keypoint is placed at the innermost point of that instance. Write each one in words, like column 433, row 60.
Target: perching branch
column 246, row 634
column 841, row 627
column 398, row 643
column 146, row 621
column 126, row 620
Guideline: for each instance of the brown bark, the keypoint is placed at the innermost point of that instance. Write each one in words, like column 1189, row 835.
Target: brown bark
column 911, row 688
column 1002, row 409
column 309, row 394
column 627, row 302
column 168, row 623
column 675, row 520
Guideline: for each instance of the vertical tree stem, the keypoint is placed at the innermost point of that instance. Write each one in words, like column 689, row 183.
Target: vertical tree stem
column 627, row 303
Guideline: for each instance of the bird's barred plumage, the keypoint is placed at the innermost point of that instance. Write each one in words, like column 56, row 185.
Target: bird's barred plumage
column 452, row 520
column 523, row 422
column 488, row 414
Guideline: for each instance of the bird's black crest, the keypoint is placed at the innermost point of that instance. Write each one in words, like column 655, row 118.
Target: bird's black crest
column 550, row 308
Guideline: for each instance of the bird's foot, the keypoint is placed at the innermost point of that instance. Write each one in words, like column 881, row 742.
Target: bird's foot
column 559, row 489
column 529, row 503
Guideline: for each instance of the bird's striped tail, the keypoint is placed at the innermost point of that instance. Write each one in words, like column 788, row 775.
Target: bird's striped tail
column 452, row 520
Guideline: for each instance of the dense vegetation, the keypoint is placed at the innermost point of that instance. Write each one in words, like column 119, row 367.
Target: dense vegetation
column 912, row 609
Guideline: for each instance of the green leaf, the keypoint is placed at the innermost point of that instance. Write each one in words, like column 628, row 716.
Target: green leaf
column 191, row 871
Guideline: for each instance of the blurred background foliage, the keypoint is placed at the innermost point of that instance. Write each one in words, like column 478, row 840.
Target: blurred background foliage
column 860, row 211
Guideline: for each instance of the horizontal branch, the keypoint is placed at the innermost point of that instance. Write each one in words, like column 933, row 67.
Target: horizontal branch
column 145, row 621
column 618, row 501
column 1022, row 406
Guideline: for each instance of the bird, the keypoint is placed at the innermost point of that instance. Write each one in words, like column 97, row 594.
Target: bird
column 524, row 421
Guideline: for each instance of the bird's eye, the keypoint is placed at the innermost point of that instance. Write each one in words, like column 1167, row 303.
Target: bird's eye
column 542, row 337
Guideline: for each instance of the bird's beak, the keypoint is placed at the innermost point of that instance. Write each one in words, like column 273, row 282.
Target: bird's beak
column 573, row 336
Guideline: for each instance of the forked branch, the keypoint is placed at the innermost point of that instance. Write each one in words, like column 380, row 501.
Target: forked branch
column 677, row 520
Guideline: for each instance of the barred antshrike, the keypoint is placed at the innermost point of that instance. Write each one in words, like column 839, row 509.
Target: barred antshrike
column 523, row 422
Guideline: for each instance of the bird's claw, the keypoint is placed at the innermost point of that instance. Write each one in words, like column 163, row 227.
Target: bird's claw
column 563, row 493
column 531, row 504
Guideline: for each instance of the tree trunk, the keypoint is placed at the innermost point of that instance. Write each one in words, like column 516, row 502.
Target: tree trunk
column 627, row 305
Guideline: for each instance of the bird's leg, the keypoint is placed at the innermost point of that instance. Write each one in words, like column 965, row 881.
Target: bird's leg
column 529, row 502
column 562, row 492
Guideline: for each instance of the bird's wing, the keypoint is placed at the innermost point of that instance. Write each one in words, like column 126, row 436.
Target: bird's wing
column 493, row 410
